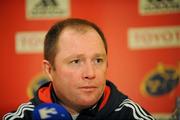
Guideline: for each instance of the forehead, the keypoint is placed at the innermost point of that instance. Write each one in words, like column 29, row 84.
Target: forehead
column 81, row 39
column 80, row 29
column 78, row 32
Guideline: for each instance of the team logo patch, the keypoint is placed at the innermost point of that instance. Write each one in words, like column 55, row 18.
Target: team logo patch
column 162, row 80
column 35, row 83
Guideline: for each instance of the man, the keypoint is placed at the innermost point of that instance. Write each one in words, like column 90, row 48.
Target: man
column 75, row 60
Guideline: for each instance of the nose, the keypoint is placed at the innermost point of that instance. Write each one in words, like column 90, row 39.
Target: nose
column 89, row 71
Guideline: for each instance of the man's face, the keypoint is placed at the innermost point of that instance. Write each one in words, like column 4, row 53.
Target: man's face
column 80, row 68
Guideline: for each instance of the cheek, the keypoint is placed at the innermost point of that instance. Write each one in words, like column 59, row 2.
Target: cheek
column 102, row 72
column 64, row 79
column 101, row 77
column 67, row 76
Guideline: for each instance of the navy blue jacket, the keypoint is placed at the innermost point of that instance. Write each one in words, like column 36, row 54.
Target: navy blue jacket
column 113, row 105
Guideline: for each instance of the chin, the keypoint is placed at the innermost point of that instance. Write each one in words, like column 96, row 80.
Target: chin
column 85, row 103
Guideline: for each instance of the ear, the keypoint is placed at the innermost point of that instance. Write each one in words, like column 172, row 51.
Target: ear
column 48, row 69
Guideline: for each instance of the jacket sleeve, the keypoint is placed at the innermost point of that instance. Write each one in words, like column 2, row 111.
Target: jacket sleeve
column 24, row 112
column 132, row 111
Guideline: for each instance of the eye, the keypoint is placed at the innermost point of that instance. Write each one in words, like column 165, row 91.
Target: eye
column 77, row 61
column 99, row 60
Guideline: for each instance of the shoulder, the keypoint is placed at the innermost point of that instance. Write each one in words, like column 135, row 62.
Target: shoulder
column 133, row 110
column 24, row 110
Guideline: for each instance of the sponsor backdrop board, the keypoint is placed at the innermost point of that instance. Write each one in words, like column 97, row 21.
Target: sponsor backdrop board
column 143, row 38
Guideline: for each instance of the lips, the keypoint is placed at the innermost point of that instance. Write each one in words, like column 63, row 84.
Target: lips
column 88, row 88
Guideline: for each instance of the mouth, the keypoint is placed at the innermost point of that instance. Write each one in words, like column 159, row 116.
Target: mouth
column 88, row 88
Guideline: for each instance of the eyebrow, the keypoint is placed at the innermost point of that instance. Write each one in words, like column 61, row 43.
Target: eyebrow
column 100, row 55
column 82, row 55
